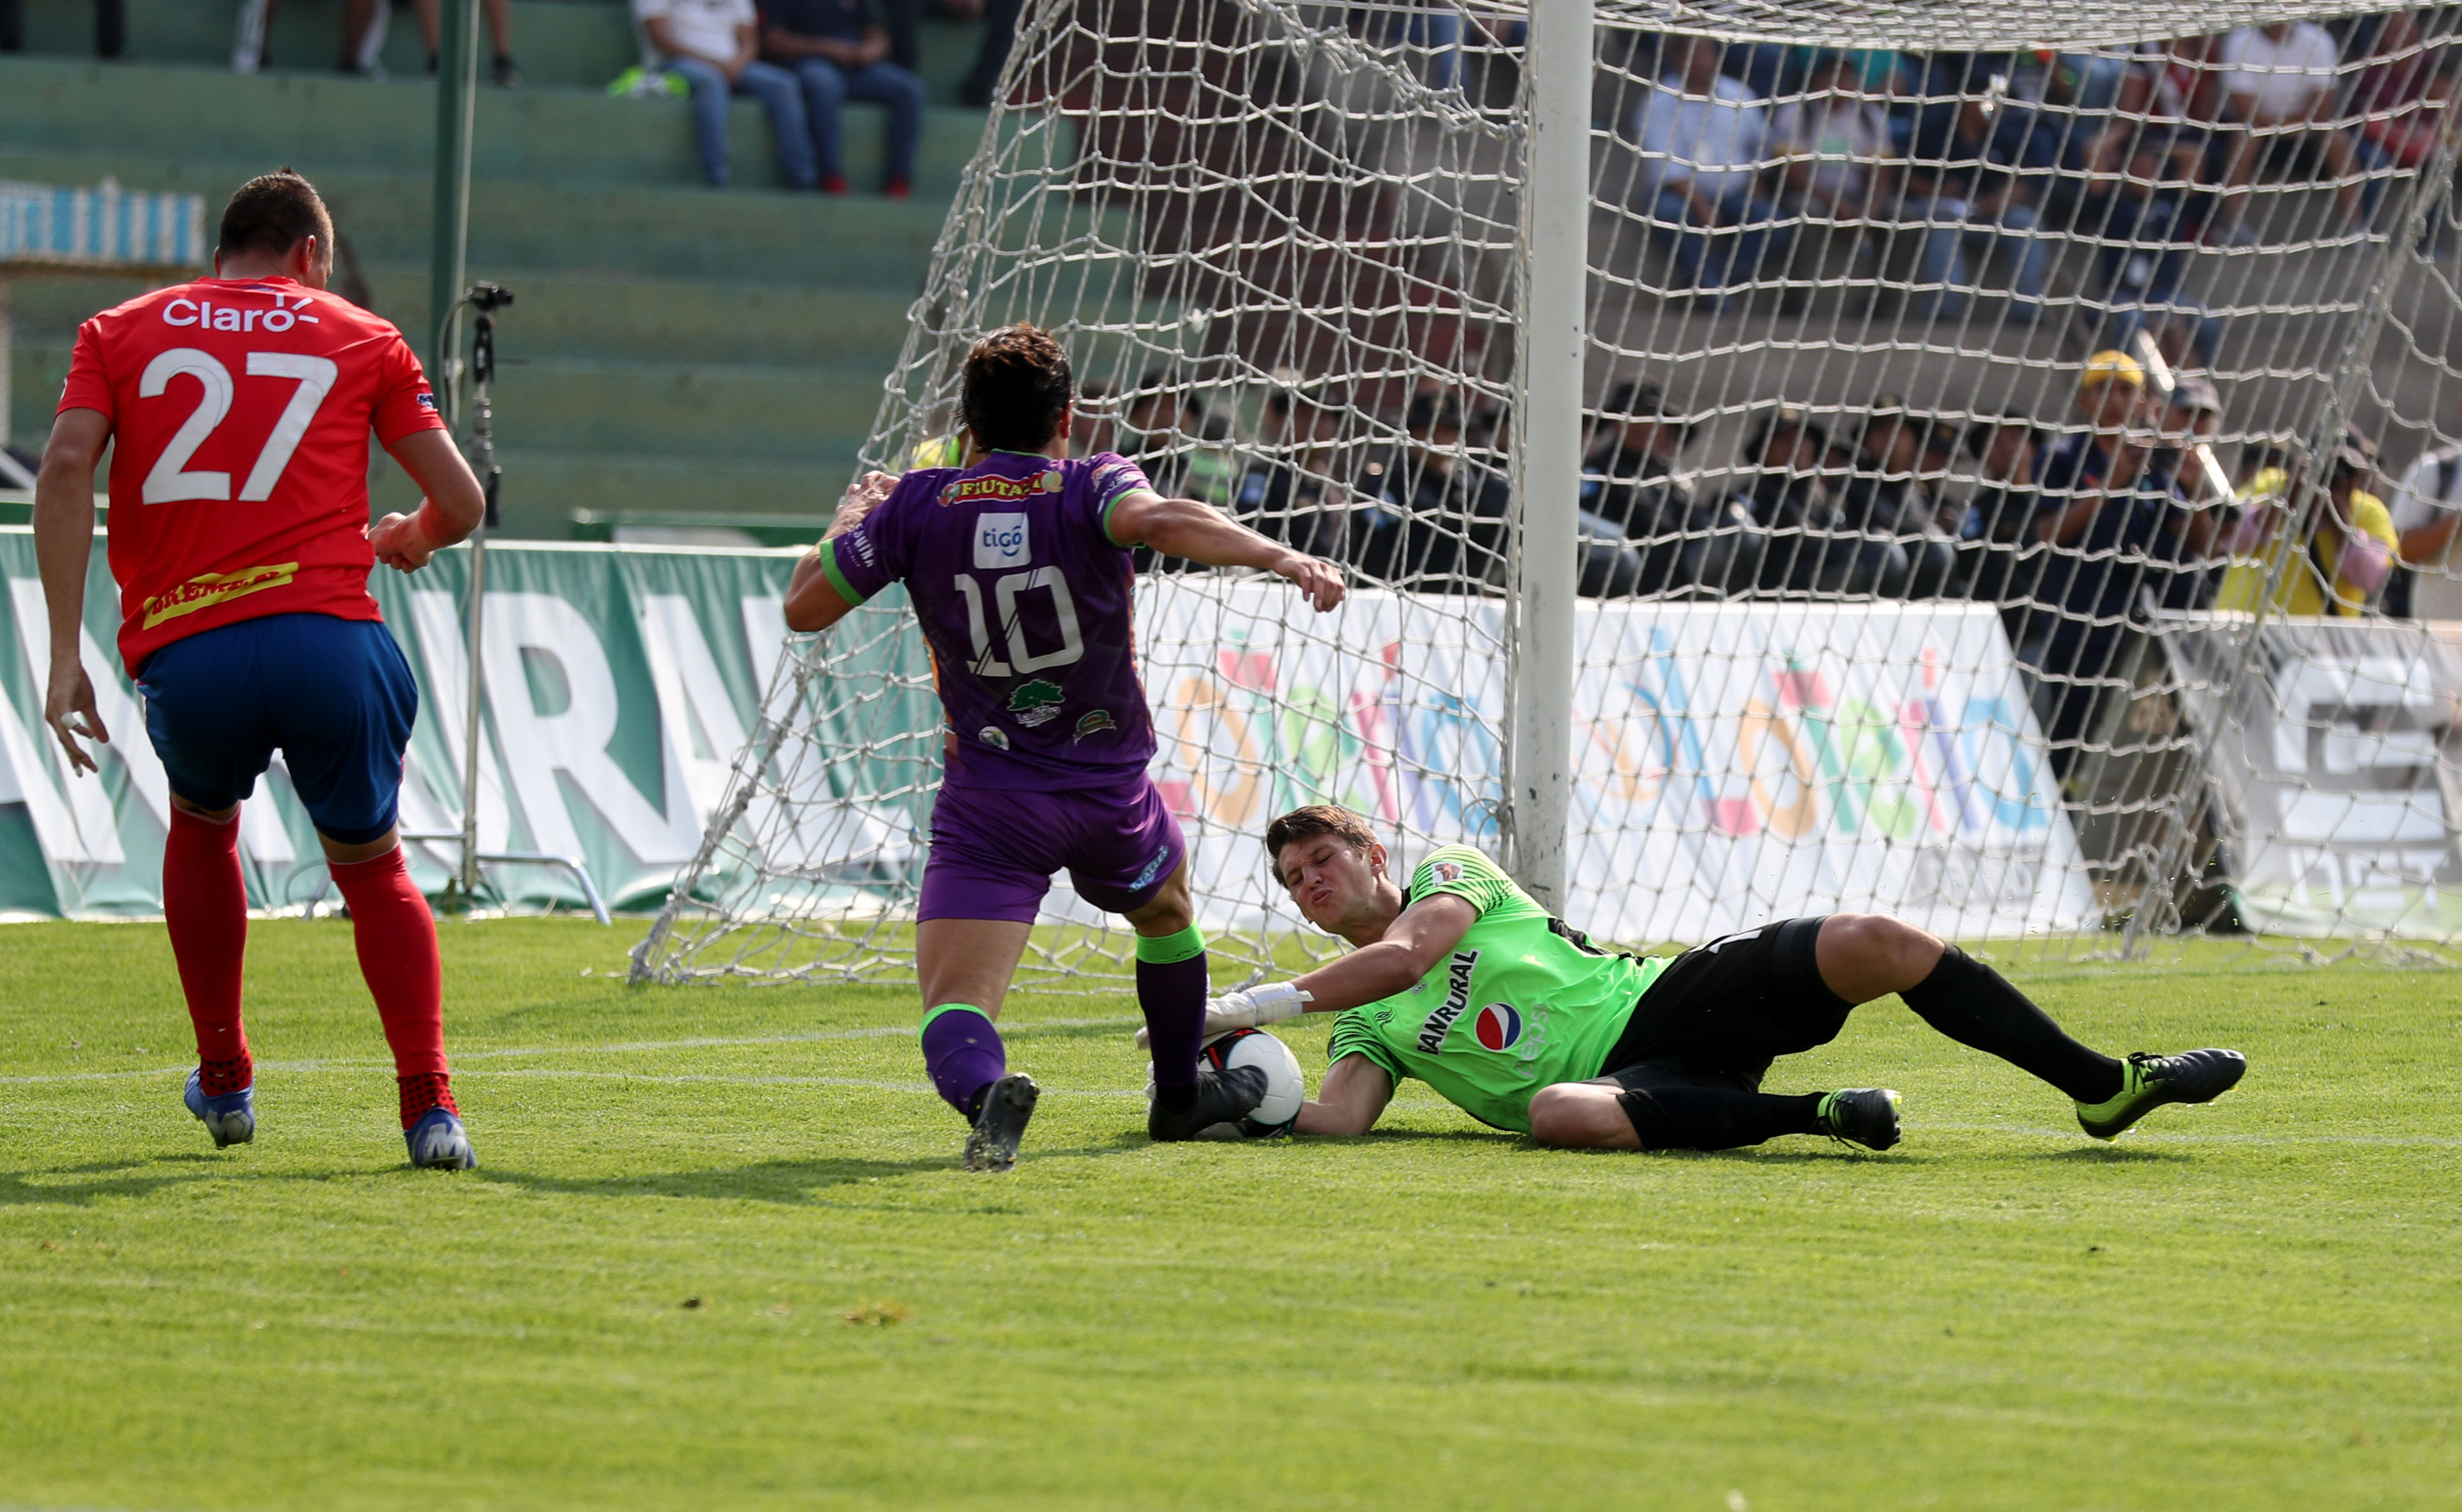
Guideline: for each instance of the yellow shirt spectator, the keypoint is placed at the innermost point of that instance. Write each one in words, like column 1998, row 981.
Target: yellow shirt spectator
column 2302, row 588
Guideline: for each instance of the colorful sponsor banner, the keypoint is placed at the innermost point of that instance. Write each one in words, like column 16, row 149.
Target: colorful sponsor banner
column 1732, row 763
column 622, row 681
column 2336, row 764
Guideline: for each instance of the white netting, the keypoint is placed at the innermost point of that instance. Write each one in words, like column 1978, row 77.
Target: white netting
column 1852, row 634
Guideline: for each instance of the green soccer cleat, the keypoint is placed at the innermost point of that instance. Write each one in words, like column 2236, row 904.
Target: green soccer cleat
column 2146, row 1082
column 1864, row 1115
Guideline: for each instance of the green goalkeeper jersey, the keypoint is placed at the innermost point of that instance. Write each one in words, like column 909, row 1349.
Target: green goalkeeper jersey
column 1523, row 1003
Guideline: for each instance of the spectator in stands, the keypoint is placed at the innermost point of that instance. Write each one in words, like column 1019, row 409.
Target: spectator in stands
column 2345, row 559
column 1000, row 35
column 1441, row 520
column 500, row 34
column 1834, row 151
column 110, row 26
column 1883, row 501
column 2110, row 392
column 2277, row 99
column 1701, row 136
column 2145, row 207
column 1098, row 420
column 714, row 46
column 1182, row 448
column 2113, row 553
column 1995, row 565
column 2193, row 417
column 2425, row 509
column 1787, row 494
column 1944, row 509
column 1629, row 492
column 839, row 51
column 2402, row 97
column 1289, row 494
column 1973, row 179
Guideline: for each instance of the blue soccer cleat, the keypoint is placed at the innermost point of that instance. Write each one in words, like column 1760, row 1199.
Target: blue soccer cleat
column 231, row 1118
column 438, row 1142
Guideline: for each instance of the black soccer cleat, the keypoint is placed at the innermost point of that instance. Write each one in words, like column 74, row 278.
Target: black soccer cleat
column 1864, row 1115
column 1220, row 1097
column 2146, row 1082
column 1001, row 1123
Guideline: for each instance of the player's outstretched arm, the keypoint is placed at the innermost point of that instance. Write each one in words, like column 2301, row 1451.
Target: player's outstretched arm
column 453, row 507
column 63, row 550
column 1349, row 1101
column 1205, row 535
column 1410, row 949
column 812, row 601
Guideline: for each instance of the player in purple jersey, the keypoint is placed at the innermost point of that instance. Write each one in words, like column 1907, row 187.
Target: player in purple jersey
column 1017, row 566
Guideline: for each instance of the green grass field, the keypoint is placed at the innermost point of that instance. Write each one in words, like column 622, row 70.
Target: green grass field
column 718, row 1255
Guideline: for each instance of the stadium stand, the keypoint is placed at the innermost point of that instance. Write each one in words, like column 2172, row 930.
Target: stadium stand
column 689, row 357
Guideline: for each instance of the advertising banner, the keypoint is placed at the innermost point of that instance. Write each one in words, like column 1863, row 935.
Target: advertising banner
column 1732, row 763
column 622, row 682
column 2337, row 761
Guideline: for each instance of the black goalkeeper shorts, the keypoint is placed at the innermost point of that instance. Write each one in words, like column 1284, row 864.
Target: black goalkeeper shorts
column 1719, row 1014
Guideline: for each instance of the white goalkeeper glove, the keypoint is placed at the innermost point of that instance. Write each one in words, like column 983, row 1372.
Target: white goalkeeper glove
column 1248, row 1008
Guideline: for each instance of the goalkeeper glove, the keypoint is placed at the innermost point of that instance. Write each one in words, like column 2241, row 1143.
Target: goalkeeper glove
column 1248, row 1008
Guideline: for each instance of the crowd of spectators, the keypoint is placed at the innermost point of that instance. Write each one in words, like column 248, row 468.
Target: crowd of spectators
column 1750, row 158
column 2079, row 526
column 803, row 59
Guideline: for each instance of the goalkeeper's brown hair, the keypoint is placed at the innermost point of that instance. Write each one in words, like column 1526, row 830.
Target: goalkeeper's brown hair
column 1016, row 389
column 1306, row 824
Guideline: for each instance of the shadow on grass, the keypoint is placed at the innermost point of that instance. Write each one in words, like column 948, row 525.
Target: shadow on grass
column 2110, row 1155
column 43, row 1188
column 817, row 1180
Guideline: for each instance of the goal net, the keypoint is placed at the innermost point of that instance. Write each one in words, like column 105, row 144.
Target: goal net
column 1992, row 436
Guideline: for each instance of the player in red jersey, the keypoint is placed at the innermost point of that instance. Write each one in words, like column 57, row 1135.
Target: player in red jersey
column 240, row 406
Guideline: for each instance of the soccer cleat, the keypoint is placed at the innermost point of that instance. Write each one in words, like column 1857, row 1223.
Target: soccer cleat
column 2146, row 1082
column 1864, row 1115
column 1000, row 1123
column 438, row 1142
column 231, row 1118
column 1223, row 1098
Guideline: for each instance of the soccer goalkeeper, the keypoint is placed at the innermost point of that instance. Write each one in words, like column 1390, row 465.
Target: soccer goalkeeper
column 1466, row 982
column 1018, row 566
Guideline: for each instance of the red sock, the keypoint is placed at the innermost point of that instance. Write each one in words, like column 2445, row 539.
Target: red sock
column 397, row 941
column 205, row 903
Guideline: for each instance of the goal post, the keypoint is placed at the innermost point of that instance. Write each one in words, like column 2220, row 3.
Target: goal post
column 1939, row 460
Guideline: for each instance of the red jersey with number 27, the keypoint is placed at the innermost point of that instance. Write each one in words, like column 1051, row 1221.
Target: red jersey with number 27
column 240, row 410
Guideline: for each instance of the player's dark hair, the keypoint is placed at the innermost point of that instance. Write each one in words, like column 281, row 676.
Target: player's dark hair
column 272, row 212
column 1309, row 822
column 1016, row 389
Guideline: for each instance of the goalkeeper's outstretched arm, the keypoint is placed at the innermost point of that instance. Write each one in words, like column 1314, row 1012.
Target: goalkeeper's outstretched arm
column 1349, row 1101
column 1204, row 535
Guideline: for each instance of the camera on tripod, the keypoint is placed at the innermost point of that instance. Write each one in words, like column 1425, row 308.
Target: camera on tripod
column 489, row 297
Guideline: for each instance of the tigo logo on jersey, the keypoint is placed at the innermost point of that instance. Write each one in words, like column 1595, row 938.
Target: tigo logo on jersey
column 1498, row 1027
column 1000, row 540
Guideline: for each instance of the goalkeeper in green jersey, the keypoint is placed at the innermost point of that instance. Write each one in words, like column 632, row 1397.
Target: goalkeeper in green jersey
column 1464, row 981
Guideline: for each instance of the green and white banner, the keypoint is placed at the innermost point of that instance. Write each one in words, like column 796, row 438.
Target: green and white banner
column 622, row 682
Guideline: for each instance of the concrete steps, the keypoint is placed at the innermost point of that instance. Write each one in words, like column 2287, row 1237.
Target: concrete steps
column 568, row 44
column 674, row 349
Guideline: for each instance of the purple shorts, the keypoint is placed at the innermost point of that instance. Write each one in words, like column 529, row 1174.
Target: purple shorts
column 994, row 849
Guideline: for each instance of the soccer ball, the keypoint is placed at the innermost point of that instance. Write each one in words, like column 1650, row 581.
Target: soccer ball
column 1286, row 1087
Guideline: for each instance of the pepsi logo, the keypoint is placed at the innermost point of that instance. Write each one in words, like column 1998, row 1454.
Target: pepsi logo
column 1498, row 1027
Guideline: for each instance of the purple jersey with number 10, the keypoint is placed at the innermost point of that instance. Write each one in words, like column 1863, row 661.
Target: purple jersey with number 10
column 1028, row 606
